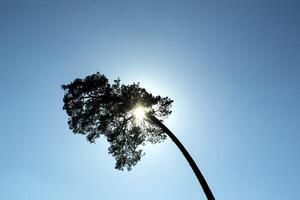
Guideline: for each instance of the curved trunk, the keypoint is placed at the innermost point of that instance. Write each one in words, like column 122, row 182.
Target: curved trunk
column 190, row 160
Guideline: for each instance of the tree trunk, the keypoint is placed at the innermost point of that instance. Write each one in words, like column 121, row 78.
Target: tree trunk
column 190, row 160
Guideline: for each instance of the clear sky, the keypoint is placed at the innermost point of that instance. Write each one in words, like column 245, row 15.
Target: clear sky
column 232, row 68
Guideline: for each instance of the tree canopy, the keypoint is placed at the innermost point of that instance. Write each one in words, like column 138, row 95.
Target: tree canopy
column 96, row 107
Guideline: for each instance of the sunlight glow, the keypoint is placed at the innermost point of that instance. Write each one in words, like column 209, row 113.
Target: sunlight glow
column 139, row 113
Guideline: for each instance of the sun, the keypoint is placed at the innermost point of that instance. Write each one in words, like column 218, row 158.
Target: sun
column 139, row 113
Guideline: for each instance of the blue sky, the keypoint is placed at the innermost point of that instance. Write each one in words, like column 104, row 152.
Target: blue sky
column 232, row 68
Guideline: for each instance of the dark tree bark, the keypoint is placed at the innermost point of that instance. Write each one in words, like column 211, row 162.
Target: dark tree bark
column 200, row 177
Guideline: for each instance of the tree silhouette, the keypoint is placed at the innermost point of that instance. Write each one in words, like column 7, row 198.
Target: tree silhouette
column 96, row 107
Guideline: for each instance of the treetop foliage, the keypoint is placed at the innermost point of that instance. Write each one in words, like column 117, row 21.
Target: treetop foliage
column 96, row 107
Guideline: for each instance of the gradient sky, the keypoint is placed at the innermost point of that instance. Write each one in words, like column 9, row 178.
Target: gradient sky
column 232, row 68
